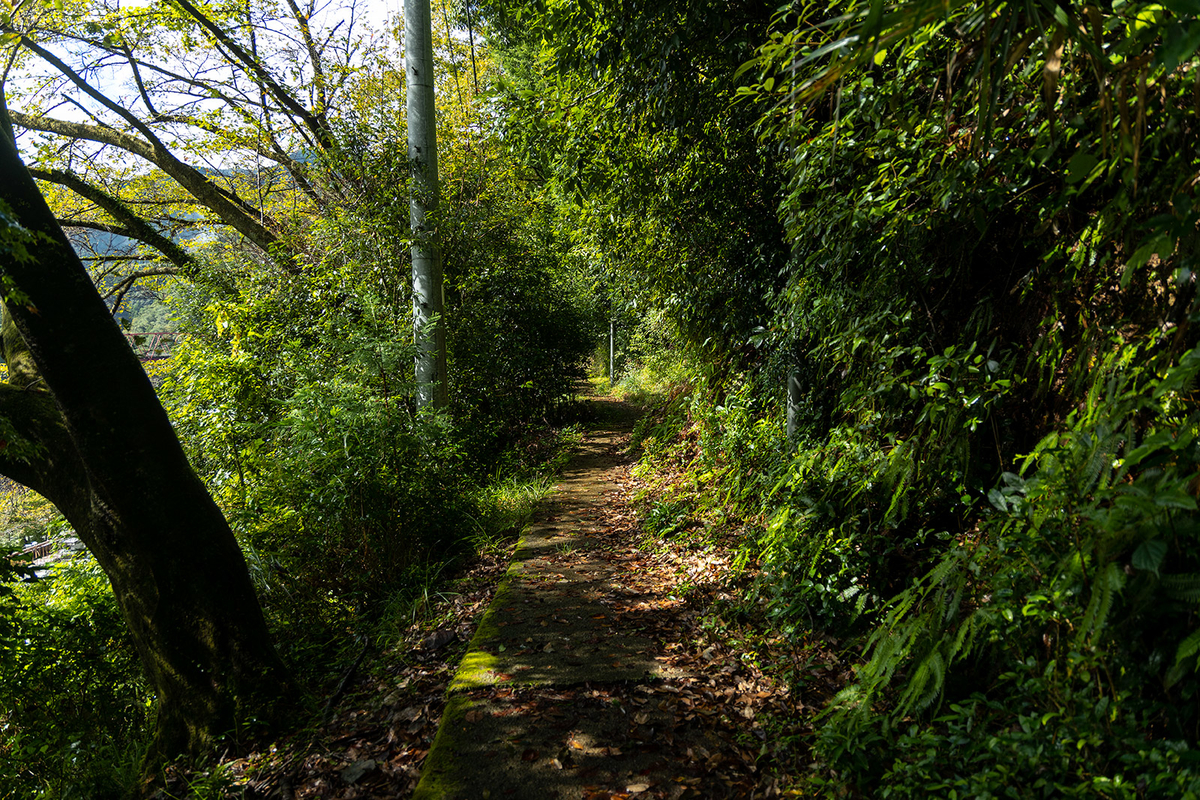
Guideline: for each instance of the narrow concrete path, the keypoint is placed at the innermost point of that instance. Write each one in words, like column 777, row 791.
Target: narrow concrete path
column 527, row 716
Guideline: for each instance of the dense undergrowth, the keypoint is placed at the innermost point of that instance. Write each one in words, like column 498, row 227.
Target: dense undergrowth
column 965, row 236
column 342, row 557
column 1046, row 648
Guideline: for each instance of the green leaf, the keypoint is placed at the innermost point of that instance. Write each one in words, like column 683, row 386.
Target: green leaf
column 1080, row 166
column 1188, row 648
column 1149, row 555
column 1183, row 8
column 1158, row 245
column 1152, row 443
column 1179, row 44
column 870, row 28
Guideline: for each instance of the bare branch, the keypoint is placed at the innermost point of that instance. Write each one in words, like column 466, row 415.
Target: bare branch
column 274, row 152
column 137, row 227
column 125, row 284
column 91, row 91
column 315, row 122
column 314, row 55
column 137, row 79
column 232, row 210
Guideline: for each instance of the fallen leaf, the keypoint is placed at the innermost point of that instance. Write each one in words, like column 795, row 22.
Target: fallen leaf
column 438, row 639
column 356, row 771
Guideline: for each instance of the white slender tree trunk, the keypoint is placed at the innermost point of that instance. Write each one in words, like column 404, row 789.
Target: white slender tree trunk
column 612, row 352
column 794, row 397
column 426, row 260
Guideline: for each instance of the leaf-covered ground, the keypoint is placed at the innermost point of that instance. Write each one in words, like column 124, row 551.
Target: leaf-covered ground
column 726, row 720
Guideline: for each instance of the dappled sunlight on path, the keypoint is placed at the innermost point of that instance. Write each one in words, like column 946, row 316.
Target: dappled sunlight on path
column 588, row 677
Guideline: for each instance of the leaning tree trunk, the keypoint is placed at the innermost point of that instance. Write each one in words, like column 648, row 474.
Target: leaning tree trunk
column 92, row 437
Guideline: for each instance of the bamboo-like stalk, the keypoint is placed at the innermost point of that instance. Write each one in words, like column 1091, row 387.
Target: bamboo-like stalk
column 422, row 154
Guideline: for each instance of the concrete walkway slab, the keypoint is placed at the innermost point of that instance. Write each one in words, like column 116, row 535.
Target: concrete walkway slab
column 529, row 715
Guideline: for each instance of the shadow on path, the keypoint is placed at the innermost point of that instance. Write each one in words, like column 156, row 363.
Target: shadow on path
column 529, row 716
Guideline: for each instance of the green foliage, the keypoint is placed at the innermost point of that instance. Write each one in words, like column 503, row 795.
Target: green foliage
column 519, row 344
column 520, row 319
column 15, row 241
column 983, row 278
column 650, row 355
column 1088, row 562
column 622, row 109
column 294, row 392
column 666, row 518
column 73, row 706
column 295, row 397
column 986, row 748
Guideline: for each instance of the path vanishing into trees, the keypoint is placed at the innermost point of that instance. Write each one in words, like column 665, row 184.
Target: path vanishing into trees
column 592, row 675
column 603, row 662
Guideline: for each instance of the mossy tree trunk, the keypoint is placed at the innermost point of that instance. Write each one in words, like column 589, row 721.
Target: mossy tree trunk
column 104, row 452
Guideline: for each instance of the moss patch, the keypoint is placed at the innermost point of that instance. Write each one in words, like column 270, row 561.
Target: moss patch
column 441, row 776
column 479, row 663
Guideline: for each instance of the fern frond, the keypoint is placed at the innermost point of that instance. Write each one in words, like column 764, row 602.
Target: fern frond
column 1105, row 586
column 964, row 641
column 1182, row 586
column 1188, row 648
column 1048, row 442
column 937, row 671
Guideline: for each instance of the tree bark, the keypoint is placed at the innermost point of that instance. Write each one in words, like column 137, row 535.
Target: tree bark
column 98, row 445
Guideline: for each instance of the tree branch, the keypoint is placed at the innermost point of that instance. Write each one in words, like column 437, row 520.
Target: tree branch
column 315, row 55
column 235, row 212
column 137, row 227
column 125, row 284
column 315, row 122
column 141, row 86
column 77, row 79
column 274, row 153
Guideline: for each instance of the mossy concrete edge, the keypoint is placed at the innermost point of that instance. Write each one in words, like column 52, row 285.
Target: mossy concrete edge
column 472, row 671
column 439, row 778
column 438, row 774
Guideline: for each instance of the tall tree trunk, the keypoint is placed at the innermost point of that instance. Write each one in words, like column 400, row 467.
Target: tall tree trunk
column 104, row 452
column 426, row 259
